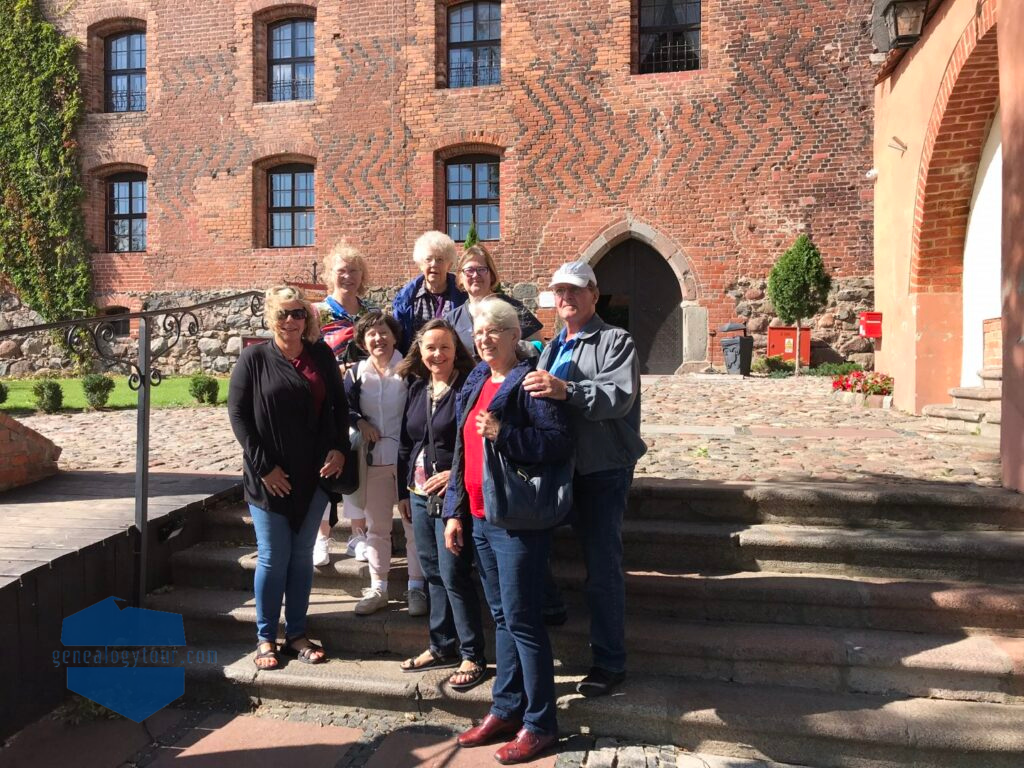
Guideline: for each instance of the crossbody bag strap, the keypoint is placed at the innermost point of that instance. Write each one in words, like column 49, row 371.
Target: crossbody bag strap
column 430, row 430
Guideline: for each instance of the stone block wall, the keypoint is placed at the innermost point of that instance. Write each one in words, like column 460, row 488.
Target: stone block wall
column 25, row 455
column 834, row 335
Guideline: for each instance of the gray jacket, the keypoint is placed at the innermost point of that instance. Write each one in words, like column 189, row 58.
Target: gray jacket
column 603, row 397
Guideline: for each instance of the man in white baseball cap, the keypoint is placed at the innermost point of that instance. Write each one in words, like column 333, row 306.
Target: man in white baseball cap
column 593, row 367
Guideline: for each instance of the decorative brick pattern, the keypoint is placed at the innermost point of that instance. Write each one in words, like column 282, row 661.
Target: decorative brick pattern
column 25, row 455
column 725, row 166
column 961, row 118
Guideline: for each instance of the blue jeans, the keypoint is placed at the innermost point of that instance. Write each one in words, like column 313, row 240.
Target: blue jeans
column 600, row 499
column 455, row 623
column 284, row 569
column 512, row 565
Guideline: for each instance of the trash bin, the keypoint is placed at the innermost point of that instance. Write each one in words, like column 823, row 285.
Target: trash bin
column 738, row 351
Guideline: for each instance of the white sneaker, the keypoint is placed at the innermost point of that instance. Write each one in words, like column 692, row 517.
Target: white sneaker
column 357, row 547
column 373, row 600
column 417, row 600
column 320, row 554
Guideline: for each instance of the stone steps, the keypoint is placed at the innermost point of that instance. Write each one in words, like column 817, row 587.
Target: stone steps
column 745, row 596
column 991, row 377
column 984, row 399
column 922, row 506
column 975, row 410
column 753, row 722
column 974, row 668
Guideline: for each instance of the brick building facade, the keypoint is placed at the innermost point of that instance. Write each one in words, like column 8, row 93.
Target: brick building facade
column 716, row 169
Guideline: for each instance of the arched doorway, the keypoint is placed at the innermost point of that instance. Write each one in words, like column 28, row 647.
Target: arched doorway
column 640, row 292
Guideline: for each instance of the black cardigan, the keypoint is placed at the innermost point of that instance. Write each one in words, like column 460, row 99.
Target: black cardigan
column 271, row 410
column 414, row 434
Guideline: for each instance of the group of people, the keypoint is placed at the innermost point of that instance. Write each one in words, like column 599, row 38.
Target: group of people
column 428, row 393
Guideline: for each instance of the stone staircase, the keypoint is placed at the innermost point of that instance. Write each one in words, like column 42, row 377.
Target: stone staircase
column 976, row 410
column 807, row 624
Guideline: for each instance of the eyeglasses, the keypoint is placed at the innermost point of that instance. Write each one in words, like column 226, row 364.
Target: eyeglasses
column 489, row 333
column 297, row 314
column 475, row 271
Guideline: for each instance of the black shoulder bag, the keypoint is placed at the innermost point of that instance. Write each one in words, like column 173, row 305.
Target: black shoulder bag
column 435, row 501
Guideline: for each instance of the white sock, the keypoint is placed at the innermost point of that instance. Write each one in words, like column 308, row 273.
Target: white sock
column 417, row 584
column 381, row 585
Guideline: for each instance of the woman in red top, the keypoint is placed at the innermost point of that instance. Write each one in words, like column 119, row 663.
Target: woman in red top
column 512, row 563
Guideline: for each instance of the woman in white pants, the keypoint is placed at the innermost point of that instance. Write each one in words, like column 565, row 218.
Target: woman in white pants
column 376, row 396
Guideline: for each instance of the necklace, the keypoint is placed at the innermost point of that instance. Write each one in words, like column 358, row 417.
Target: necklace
column 437, row 395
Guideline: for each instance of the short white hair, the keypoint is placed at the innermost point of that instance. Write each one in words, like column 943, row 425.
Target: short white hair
column 434, row 243
column 495, row 311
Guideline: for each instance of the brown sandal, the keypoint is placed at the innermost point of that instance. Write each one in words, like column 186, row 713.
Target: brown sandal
column 268, row 653
column 305, row 653
column 472, row 677
column 435, row 662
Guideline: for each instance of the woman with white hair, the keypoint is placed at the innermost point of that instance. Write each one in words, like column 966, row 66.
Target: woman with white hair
column 289, row 412
column 493, row 407
column 434, row 293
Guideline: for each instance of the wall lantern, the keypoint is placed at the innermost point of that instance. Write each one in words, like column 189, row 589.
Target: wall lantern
column 904, row 20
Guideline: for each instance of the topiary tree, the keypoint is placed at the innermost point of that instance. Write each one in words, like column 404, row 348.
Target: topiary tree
column 798, row 286
column 97, row 388
column 472, row 238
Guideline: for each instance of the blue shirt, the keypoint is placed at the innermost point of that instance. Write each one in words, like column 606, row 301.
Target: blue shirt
column 562, row 357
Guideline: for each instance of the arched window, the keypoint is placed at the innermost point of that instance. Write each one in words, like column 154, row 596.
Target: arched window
column 474, row 44
column 669, row 35
column 126, row 212
column 472, row 194
column 290, row 60
column 290, row 206
column 125, row 72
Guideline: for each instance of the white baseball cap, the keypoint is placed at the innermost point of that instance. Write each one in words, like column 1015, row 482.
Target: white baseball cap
column 576, row 273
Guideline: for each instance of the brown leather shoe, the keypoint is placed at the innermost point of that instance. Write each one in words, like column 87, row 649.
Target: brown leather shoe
column 489, row 729
column 524, row 747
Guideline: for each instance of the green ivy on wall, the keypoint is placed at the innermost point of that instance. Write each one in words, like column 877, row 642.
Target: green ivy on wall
column 43, row 252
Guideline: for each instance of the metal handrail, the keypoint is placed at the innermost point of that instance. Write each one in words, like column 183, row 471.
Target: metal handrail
column 99, row 331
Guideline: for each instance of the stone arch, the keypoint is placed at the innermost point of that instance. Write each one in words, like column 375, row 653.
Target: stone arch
column 693, row 316
column 630, row 227
column 961, row 116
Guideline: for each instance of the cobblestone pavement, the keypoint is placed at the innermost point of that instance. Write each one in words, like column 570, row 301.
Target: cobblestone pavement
column 376, row 726
column 702, row 427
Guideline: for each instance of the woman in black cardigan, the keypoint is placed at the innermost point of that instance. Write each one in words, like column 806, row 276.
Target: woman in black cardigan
column 288, row 411
column 436, row 367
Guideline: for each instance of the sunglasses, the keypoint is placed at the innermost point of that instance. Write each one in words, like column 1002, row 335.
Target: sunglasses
column 297, row 314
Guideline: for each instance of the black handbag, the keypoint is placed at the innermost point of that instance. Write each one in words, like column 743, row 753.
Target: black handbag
column 525, row 497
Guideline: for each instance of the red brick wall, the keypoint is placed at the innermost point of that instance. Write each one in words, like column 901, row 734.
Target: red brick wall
column 25, row 455
column 726, row 165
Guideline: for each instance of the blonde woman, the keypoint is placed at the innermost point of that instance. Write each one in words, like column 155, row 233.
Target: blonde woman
column 433, row 294
column 288, row 411
column 347, row 276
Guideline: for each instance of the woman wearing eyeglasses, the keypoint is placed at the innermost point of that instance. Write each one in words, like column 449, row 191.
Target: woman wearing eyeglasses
column 288, row 411
column 477, row 275
column 433, row 293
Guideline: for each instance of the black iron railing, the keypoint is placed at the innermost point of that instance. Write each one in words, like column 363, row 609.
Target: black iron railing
column 97, row 335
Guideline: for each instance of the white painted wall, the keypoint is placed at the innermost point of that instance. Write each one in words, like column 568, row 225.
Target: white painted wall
column 983, row 254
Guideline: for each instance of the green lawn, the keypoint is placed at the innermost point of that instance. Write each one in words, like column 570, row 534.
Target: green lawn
column 172, row 392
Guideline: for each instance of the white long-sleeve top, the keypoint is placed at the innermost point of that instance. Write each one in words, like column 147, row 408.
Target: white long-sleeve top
column 382, row 403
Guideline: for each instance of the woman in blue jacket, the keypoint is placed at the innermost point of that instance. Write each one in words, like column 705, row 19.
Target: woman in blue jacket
column 493, row 406
column 431, row 295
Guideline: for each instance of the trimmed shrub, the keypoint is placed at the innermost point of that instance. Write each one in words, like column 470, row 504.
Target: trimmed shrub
column 771, row 364
column 48, row 394
column 3, row 393
column 97, row 389
column 834, row 369
column 204, row 388
column 798, row 285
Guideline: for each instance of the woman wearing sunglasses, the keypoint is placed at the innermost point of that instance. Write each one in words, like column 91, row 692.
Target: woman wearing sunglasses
column 288, row 411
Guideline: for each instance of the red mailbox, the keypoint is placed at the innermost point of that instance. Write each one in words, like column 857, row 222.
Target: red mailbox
column 870, row 325
column 782, row 342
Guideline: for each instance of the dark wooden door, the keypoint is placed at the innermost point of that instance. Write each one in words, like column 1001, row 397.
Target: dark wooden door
column 640, row 292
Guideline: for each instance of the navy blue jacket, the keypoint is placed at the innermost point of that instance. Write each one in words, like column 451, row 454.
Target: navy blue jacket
column 415, row 436
column 401, row 307
column 533, row 430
